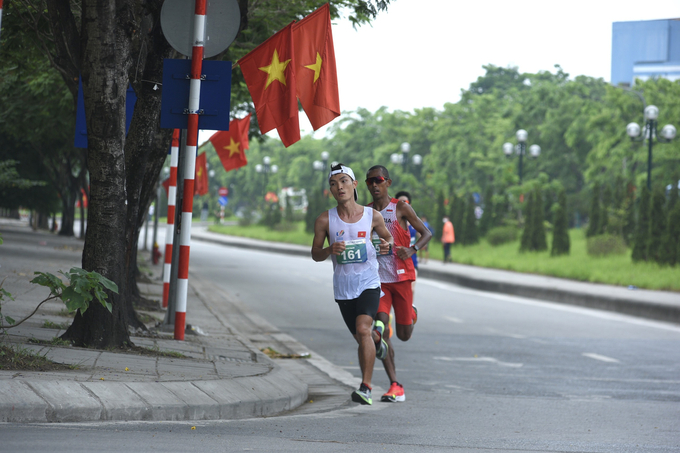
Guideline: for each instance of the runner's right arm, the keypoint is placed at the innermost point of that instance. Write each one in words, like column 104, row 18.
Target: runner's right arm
column 386, row 239
column 319, row 253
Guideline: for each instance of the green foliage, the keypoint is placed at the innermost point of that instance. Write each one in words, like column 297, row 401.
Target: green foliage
column 4, row 319
column 487, row 216
column 641, row 240
column 470, row 234
column 560, row 243
column 595, row 217
column 607, row 207
column 502, row 234
column 439, row 216
column 457, row 217
column 670, row 244
column 538, row 241
column 606, row 244
column 657, row 225
column 83, row 287
column 527, row 233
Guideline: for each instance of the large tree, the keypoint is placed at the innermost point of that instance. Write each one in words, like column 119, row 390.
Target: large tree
column 111, row 45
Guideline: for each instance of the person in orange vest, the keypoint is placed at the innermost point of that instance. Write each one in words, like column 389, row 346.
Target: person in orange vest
column 448, row 238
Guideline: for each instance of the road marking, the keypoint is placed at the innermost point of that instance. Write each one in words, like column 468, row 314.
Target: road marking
column 452, row 319
column 593, row 312
column 480, row 359
column 603, row 358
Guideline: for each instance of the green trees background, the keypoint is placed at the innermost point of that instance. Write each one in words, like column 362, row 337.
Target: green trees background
column 589, row 173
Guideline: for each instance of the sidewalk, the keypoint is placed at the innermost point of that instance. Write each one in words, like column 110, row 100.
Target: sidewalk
column 659, row 305
column 219, row 374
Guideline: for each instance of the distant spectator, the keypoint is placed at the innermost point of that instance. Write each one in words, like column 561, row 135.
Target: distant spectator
column 448, row 238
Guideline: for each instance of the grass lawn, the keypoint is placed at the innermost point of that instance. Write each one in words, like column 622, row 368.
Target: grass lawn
column 578, row 265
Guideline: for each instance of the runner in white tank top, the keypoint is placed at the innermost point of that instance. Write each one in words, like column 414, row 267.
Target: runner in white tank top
column 356, row 268
column 356, row 284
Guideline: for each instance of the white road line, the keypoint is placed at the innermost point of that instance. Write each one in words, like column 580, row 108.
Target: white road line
column 593, row 312
column 480, row 359
column 452, row 319
column 603, row 358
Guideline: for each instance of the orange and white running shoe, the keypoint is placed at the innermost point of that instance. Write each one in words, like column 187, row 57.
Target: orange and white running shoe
column 394, row 395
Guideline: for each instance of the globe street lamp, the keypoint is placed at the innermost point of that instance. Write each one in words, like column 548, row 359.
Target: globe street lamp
column 322, row 165
column 266, row 168
column 402, row 158
column 520, row 149
column 667, row 134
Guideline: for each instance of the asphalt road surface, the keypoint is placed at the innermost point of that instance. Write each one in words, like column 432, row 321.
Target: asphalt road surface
column 483, row 373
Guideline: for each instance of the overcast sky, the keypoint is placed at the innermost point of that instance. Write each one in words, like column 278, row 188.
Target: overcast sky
column 421, row 53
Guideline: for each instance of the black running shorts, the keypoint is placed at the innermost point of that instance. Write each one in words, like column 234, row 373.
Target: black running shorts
column 366, row 304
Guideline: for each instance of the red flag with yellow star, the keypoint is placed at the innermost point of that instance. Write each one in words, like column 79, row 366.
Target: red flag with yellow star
column 201, row 179
column 316, row 78
column 231, row 145
column 269, row 73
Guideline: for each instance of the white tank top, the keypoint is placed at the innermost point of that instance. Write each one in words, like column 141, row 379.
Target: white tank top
column 356, row 270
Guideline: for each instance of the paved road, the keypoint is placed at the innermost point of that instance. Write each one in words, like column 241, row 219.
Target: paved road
column 483, row 372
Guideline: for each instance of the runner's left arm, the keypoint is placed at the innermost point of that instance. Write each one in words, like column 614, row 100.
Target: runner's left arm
column 405, row 210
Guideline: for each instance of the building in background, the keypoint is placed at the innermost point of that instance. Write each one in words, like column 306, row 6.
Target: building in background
column 645, row 49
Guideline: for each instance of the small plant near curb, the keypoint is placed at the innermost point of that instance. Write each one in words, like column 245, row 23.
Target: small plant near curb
column 83, row 287
column 54, row 325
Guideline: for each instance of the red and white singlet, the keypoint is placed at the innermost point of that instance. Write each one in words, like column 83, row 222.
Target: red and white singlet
column 392, row 268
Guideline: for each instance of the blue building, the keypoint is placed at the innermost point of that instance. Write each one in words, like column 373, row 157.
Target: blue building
column 645, row 49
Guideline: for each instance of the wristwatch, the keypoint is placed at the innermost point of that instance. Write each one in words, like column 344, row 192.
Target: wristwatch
column 415, row 247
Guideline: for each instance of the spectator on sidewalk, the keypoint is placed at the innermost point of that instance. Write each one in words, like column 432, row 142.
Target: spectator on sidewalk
column 448, row 238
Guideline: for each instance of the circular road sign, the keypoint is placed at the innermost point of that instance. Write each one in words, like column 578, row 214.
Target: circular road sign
column 222, row 20
column 223, row 192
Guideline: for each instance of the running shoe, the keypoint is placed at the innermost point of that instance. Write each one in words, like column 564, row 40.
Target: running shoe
column 362, row 395
column 380, row 345
column 415, row 315
column 395, row 394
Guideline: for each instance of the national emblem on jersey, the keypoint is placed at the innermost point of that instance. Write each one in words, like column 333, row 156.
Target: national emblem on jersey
column 362, row 234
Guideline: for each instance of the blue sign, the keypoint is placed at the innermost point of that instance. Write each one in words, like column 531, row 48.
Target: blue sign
column 476, row 197
column 215, row 99
column 81, row 124
column 223, row 201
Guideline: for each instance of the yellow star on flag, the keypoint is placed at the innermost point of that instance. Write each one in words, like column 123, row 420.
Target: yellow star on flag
column 233, row 147
column 275, row 70
column 316, row 67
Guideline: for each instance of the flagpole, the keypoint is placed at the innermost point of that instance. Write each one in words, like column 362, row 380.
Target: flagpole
column 190, row 169
column 169, row 232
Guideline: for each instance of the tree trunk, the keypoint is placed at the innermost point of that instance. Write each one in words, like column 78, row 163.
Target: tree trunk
column 105, row 49
column 67, row 215
column 146, row 149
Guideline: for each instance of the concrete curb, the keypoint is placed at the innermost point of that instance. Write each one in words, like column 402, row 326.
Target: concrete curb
column 69, row 401
column 611, row 302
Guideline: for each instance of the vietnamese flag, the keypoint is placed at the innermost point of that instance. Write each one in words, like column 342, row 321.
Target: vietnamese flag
column 315, row 73
column 231, row 145
column 269, row 73
column 201, row 184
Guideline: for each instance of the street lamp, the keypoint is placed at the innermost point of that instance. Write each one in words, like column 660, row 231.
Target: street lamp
column 520, row 149
column 402, row 158
column 666, row 135
column 266, row 168
column 322, row 165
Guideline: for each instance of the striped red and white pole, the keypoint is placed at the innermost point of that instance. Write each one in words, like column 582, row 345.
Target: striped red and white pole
column 170, row 230
column 189, row 169
column 0, row 15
